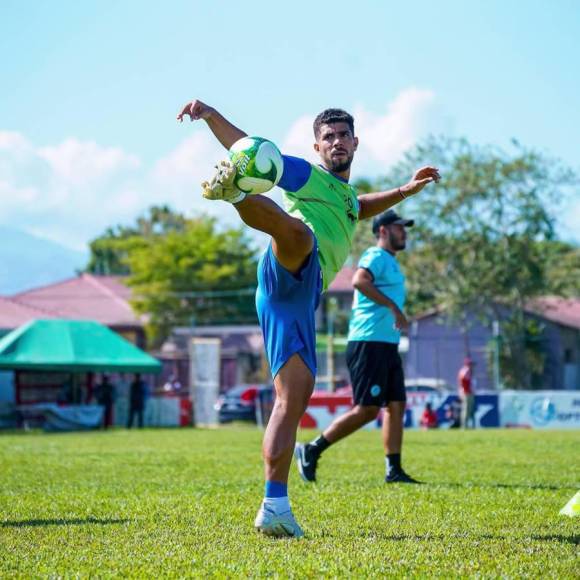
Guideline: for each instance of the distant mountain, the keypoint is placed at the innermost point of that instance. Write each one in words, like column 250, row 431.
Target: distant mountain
column 27, row 261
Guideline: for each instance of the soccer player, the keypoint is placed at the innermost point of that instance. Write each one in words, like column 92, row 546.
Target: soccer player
column 372, row 353
column 310, row 241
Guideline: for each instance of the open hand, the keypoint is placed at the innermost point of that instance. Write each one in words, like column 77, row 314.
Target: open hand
column 196, row 110
column 420, row 179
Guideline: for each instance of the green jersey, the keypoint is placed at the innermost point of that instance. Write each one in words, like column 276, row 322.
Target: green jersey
column 328, row 205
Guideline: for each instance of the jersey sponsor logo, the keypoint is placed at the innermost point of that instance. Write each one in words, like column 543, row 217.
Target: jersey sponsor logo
column 350, row 203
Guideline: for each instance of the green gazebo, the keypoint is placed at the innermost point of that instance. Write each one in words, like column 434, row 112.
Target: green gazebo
column 55, row 361
column 72, row 346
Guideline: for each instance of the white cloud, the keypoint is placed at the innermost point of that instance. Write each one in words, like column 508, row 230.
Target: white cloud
column 79, row 163
column 13, row 142
column 15, row 196
column 383, row 137
column 72, row 190
column 177, row 176
column 300, row 139
column 67, row 192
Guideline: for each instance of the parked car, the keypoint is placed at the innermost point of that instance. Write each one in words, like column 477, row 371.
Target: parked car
column 238, row 403
column 323, row 384
column 426, row 385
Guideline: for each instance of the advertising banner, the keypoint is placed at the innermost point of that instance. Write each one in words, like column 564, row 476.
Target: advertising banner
column 447, row 407
column 540, row 409
column 325, row 407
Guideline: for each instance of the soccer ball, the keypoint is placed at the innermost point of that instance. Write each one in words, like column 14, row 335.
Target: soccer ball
column 258, row 162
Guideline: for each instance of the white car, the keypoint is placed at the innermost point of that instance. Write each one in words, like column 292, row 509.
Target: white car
column 426, row 385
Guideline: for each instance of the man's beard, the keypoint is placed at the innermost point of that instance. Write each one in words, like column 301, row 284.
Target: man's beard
column 340, row 166
column 396, row 244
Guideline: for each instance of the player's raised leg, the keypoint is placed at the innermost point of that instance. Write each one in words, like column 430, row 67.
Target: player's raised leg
column 292, row 240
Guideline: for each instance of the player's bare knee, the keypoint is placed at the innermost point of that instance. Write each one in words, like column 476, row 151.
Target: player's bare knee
column 396, row 409
column 366, row 413
column 272, row 455
column 291, row 408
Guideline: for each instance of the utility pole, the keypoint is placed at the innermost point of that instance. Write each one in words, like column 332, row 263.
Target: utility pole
column 496, row 342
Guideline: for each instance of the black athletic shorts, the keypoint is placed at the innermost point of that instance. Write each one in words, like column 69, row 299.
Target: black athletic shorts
column 376, row 373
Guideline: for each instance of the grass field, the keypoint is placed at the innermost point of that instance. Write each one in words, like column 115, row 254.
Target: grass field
column 182, row 503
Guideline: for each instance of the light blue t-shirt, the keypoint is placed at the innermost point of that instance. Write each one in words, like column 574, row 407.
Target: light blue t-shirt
column 370, row 321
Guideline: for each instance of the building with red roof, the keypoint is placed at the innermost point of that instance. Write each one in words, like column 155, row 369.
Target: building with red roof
column 437, row 346
column 13, row 314
column 105, row 299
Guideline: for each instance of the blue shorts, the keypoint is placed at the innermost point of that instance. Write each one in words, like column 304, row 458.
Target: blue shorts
column 286, row 303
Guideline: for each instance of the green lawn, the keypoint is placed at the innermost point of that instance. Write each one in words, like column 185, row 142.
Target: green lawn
column 182, row 503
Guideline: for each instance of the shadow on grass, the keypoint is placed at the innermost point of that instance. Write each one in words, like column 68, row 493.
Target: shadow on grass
column 501, row 485
column 573, row 539
column 61, row 522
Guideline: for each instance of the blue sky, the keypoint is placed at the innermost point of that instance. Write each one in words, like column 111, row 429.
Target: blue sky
column 90, row 91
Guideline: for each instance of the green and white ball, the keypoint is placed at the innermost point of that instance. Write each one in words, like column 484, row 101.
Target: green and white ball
column 258, row 162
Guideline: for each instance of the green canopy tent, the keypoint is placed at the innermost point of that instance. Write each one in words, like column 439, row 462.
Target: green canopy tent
column 54, row 361
column 72, row 346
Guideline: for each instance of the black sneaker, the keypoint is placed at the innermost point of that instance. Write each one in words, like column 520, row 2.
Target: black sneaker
column 400, row 476
column 306, row 462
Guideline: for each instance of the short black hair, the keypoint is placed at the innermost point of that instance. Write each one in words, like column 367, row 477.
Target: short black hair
column 333, row 116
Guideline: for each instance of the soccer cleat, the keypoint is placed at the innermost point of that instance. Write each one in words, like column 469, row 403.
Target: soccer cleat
column 400, row 476
column 222, row 185
column 306, row 462
column 277, row 525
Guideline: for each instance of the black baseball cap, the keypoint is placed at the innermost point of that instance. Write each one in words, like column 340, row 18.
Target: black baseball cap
column 390, row 217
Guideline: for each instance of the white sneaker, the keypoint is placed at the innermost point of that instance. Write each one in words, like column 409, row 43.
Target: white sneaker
column 222, row 185
column 277, row 525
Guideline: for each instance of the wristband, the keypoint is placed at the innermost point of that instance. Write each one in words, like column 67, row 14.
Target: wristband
column 403, row 196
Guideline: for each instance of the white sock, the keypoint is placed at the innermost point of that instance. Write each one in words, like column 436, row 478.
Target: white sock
column 278, row 505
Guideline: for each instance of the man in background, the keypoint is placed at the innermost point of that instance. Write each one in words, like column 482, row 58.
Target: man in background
column 372, row 355
column 466, row 395
column 137, row 396
column 105, row 393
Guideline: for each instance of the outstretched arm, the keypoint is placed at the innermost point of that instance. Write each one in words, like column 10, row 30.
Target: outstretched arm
column 371, row 204
column 226, row 133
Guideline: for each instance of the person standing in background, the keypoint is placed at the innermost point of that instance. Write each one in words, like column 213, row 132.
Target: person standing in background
column 105, row 393
column 466, row 395
column 372, row 354
column 137, row 396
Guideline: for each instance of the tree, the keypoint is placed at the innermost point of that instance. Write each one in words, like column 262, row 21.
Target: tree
column 484, row 239
column 563, row 267
column 196, row 276
column 182, row 271
column 110, row 251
